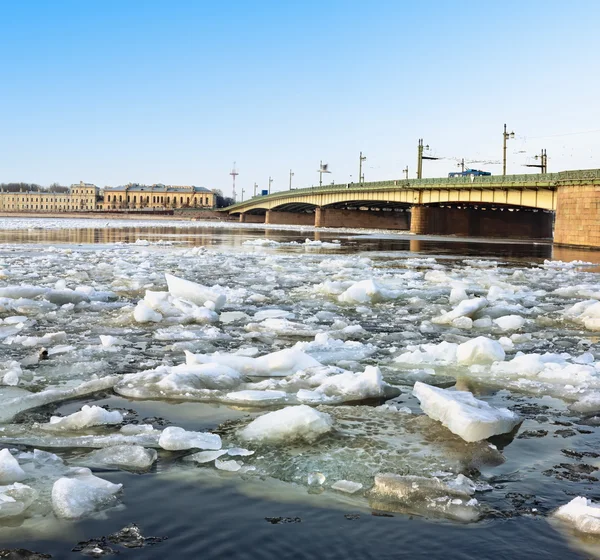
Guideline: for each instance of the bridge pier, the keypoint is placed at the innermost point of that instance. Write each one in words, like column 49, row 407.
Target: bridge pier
column 252, row 218
column 333, row 217
column 471, row 222
column 291, row 218
column 578, row 216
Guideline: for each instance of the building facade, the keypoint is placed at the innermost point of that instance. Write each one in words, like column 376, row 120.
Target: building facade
column 161, row 197
column 80, row 197
column 85, row 197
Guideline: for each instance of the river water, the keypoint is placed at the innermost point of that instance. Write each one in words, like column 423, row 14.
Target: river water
column 295, row 278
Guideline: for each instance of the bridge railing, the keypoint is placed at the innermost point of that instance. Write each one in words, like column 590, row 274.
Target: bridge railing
column 482, row 181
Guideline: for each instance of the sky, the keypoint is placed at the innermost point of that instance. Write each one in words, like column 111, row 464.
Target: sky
column 176, row 91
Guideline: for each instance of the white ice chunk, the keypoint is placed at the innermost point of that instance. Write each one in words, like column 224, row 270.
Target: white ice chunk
column 366, row 291
column 76, row 497
column 480, row 350
column 10, row 470
column 174, row 439
column 15, row 499
column 133, row 457
column 288, row 424
column 88, row 416
column 347, row 486
column 582, row 514
column 194, row 292
column 277, row 364
column 510, row 322
column 463, row 414
column 143, row 313
column 466, row 308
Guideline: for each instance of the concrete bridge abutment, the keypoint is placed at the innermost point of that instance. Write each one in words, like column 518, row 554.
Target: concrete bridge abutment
column 472, row 222
column 290, row 218
column 334, row 217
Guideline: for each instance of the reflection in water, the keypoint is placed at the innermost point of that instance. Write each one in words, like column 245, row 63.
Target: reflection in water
column 351, row 242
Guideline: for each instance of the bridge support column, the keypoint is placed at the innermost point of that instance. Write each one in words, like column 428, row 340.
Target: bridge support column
column 333, row 217
column 252, row 219
column 291, row 218
column 578, row 216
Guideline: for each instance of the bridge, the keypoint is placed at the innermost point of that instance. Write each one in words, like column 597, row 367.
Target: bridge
column 566, row 204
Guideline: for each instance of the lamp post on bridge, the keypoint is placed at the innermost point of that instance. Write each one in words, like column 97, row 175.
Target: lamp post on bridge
column 291, row 175
column 505, row 137
column 255, row 187
column 323, row 168
column 543, row 165
column 243, row 191
column 270, row 181
column 405, row 171
column 361, row 176
column 421, row 157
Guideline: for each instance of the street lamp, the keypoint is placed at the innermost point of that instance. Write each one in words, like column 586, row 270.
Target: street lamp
column 543, row 165
column 361, row 176
column 291, row 175
column 505, row 137
column 270, row 181
column 421, row 157
column 323, row 168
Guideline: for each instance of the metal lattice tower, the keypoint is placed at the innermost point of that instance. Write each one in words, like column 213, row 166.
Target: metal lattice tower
column 234, row 174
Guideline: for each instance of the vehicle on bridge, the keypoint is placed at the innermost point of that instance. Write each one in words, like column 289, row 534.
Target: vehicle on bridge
column 469, row 173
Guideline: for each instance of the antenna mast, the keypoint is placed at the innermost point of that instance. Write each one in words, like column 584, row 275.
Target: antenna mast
column 234, row 174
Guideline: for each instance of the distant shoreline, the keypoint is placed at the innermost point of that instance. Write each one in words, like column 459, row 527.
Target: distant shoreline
column 209, row 215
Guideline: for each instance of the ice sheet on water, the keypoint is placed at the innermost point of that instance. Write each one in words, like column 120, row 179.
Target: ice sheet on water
column 88, row 416
column 582, row 514
column 363, row 442
column 423, row 495
column 12, row 406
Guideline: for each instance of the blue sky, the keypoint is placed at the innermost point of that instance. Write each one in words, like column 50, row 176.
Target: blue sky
column 174, row 91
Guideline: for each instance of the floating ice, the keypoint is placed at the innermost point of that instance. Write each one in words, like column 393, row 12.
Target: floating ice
column 347, row 486
column 132, row 457
column 466, row 308
column 366, row 291
column 82, row 494
column 88, row 416
column 277, row 364
column 231, row 466
column 582, row 514
column 143, row 313
column 15, row 499
column 393, row 492
column 10, row 407
column 175, row 439
column 196, row 293
column 463, row 414
column 510, row 322
column 480, row 350
column 288, row 424
column 205, row 456
column 10, row 470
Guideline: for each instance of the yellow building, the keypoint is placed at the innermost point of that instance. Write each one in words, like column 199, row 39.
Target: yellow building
column 81, row 197
column 161, row 197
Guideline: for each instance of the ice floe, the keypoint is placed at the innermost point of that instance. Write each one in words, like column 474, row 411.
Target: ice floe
column 463, row 414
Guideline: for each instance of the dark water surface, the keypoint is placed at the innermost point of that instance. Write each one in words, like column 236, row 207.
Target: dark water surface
column 210, row 514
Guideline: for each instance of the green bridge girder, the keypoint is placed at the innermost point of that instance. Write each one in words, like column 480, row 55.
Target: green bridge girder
column 547, row 182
